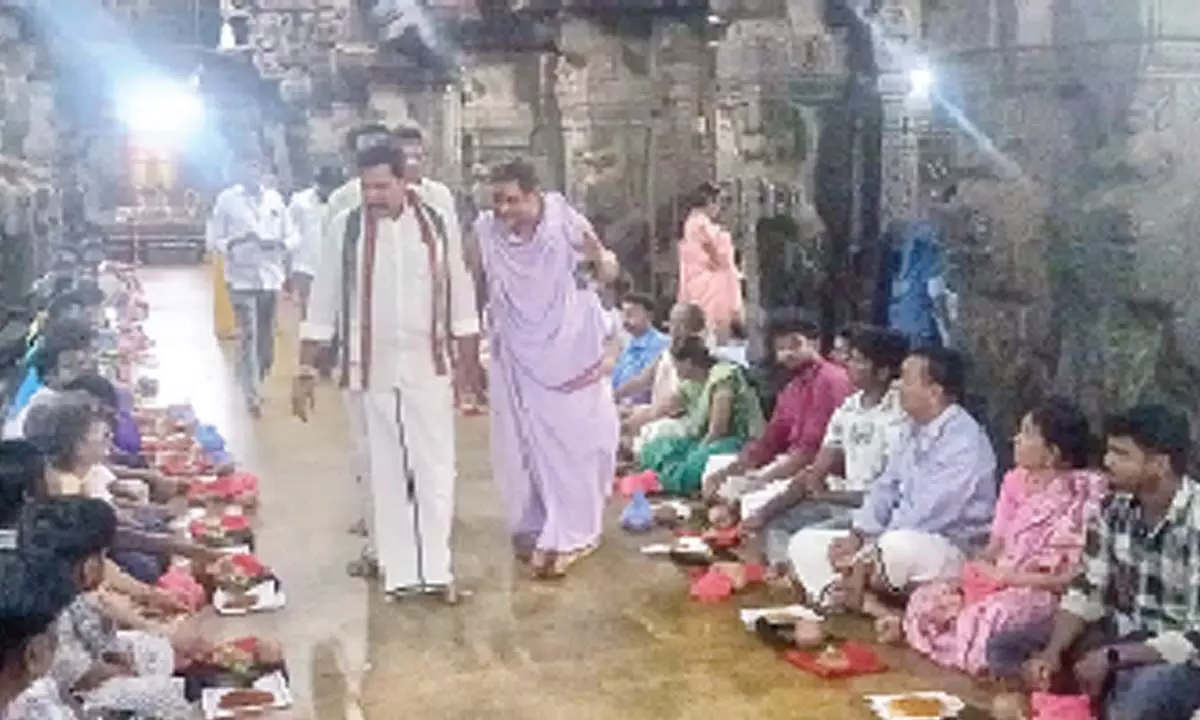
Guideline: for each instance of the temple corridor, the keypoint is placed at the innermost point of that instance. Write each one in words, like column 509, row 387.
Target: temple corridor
column 618, row 639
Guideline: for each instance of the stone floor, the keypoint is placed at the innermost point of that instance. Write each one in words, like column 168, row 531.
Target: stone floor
column 618, row 639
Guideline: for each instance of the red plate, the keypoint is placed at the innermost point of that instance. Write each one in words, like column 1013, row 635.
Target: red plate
column 863, row 661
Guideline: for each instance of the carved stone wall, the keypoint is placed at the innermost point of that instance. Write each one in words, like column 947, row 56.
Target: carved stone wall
column 1072, row 231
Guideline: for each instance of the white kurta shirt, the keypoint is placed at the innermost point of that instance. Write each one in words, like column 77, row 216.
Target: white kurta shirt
column 251, row 266
column 309, row 216
column 401, row 311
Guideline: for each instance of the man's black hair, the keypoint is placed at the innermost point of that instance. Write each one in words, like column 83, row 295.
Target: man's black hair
column 97, row 386
column 946, row 368
column 71, row 529
column 641, row 299
column 1156, row 429
column 33, row 593
column 885, row 349
column 518, row 171
column 22, row 476
column 378, row 155
column 792, row 322
column 408, row 133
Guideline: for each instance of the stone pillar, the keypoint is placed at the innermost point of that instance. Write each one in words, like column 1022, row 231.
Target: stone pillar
column 898, row 53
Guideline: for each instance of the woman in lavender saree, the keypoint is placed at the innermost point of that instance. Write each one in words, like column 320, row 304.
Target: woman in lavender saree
column 554, row 422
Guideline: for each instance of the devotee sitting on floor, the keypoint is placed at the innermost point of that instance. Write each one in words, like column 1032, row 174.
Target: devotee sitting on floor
column 1045, row 506
column 852, row 455
column 721, row 409
column 661, row 417
column 60, row 360
column 929, row 508
column 129, row 485
column 644, row 346
column 1128, row 628
column 68, row 331
column 32, row 597
column 110, row 670
column 790, row 441
column 76, row 439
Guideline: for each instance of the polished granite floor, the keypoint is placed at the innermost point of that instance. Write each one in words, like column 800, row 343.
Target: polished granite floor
column 618, row 639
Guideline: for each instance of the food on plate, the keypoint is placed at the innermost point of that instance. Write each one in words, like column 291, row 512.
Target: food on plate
column 239, row 572
column 245, row 699
column 240, row 601
column 833, row 658
column 916, row 706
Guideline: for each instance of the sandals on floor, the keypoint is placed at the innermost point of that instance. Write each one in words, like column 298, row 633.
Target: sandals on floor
column 553, row 565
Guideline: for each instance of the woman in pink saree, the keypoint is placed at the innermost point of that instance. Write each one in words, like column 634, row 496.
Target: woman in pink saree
column 554, row 424
column 1042, row 514
column 708, row 274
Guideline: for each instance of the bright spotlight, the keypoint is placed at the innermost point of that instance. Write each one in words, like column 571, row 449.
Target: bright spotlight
column 161, row 113
column 920, row 82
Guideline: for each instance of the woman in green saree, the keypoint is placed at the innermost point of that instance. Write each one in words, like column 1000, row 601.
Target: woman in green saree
column 721, row 413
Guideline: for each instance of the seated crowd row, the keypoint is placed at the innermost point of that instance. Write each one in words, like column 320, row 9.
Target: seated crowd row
column 872, row 490
column 84, row 536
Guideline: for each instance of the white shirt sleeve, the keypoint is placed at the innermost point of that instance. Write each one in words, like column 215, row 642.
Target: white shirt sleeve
column 464, row 312
column 835, row 431
column 216, row 230
column 325, row 298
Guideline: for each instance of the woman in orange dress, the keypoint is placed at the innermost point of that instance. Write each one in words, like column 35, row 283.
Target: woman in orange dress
column 708, row 273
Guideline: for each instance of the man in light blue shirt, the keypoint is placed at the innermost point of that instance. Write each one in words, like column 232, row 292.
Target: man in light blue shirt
column 644, row 346
column 929, row 508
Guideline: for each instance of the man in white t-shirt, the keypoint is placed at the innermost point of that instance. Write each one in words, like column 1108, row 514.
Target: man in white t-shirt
column 857, row 441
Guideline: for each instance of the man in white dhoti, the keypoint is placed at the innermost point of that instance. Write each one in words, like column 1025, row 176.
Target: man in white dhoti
column 396, row 291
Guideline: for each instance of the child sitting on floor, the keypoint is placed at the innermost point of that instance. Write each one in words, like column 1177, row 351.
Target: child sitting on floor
column 106, row 668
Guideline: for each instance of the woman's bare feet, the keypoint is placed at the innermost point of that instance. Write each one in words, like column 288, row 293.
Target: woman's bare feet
column 889, row 629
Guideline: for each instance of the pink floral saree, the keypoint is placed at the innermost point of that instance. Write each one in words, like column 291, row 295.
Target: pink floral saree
column 1039, row 532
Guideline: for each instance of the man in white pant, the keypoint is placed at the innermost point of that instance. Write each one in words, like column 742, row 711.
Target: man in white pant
column 395, row 290
column 931, row 506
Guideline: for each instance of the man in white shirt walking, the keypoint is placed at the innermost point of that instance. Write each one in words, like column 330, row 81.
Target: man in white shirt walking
column 251, row 228
column 309, row 214
column 395, row 292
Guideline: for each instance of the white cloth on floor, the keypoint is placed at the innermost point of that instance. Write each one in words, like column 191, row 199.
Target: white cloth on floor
column 411, row 536
column 655, row 429
column 906, row 556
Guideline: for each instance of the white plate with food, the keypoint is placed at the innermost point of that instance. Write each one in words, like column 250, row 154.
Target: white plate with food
column 268, row 693
column 263, row 597
column 777, row 615
column 931, row 705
